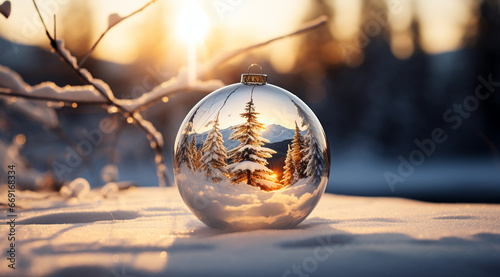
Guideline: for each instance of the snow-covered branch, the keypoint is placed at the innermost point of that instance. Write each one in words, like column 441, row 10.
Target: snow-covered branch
column 29, row 99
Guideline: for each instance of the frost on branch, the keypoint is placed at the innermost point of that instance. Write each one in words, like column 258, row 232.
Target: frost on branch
column 37, row 102
column 37, row 112
column 46, row 90
column 176, row 84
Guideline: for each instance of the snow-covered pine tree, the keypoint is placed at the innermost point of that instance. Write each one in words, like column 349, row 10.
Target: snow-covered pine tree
column 289, row 169
column 182, row 153
column 199, row 155
column 194, row 154
column 249, row 158
column 313, row 157
column 298, row 145
column 213, row 161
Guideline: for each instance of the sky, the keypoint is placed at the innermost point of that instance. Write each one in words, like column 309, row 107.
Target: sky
column 273, row 106
column 234, row 24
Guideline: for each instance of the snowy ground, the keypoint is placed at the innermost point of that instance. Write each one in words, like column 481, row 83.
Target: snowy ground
column 150, row 232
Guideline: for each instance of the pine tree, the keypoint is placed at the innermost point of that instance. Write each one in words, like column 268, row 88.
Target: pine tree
column 289, row 169
column 182, row 153
column 214, row 159
column 194, row 155
column 314, row 158
column 249, row 158
column 298, row 146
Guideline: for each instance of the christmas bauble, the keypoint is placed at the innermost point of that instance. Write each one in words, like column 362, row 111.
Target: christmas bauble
column 251, row 155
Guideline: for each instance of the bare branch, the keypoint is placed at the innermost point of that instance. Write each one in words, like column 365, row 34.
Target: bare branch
column 129, row 107
column 110, row 26
column 227, row 56
column 106, row 92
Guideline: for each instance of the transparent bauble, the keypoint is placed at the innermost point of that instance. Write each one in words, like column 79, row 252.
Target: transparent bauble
column 250, row 156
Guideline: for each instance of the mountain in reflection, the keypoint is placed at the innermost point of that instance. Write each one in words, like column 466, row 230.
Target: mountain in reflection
column 275, row 133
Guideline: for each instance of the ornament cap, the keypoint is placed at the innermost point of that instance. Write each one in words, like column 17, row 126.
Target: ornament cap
column 254, row 78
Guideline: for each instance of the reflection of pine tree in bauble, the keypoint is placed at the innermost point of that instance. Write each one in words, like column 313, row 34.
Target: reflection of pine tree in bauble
column 250, row 133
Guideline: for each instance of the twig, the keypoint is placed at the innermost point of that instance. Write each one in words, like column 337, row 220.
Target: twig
column 111, row 27
column 85, row 75
column 11, row 93
column 157, row 93
column 315, row 23
column 205, row 68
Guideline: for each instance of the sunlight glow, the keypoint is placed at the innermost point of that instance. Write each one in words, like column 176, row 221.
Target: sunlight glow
column 192, row 24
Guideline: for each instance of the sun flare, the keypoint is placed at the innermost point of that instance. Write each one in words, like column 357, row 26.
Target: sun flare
column 192, row 23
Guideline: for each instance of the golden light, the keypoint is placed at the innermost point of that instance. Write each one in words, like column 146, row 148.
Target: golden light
column 20, row 139
column 274, row 175
column 192, row 24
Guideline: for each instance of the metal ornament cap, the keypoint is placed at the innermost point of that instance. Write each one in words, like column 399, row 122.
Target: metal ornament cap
column 254, row 78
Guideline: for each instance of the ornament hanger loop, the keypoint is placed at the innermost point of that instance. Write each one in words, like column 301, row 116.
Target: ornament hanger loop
column 252, row 65
column 254, row 78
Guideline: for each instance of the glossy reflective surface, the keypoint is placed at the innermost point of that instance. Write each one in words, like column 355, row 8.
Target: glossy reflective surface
column 251, row 157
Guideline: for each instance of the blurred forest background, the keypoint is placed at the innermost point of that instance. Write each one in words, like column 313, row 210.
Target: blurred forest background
column 379, row 74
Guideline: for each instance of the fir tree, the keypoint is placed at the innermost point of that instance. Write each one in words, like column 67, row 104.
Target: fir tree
column 289, row 169
column 182, row 153
column 313, row 158
column 194, row 155
column 298, row 146
column 249, row 158
column 214, row 159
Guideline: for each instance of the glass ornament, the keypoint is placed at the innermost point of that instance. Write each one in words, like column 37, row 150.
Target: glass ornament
column 251, row 155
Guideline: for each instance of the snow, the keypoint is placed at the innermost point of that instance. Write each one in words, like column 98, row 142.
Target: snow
column 255, row 148
column 175, row 84
column 12, row 80
column 37, row 112
column 26, row 177
column 248, row 165
column 241, row 205
column 66, row 53
column 77, row 188
column 150, row 232
column 109, row 173
column 268, row 184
